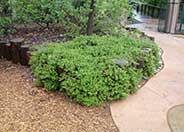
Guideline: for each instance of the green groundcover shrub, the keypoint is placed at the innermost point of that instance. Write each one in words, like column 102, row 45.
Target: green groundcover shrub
column 93, row 69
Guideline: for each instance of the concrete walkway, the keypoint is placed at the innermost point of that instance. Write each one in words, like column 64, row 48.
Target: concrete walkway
column 146, row 111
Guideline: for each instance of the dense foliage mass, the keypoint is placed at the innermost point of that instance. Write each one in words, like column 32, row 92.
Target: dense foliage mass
column 77, row 16
column 87, row 68
column 5, row 18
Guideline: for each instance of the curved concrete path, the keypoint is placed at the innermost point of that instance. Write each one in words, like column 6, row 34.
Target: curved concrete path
column 146, row 111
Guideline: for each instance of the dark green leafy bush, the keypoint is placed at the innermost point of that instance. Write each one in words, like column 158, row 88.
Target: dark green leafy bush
column 6, row 22
column 85, row 70
column 6, row 26
column 76, row 16
column 43, row 12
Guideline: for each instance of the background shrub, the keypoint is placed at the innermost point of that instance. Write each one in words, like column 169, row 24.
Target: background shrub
column 85, row 69
column 6, row 25
column 96, row 16
column 77, row 16
column 6, row 22
column 43, row 12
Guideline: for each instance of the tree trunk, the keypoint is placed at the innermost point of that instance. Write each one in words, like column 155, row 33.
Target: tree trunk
column 91, row 18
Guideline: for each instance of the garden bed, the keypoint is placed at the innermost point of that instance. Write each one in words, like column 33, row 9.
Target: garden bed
column 120, row 63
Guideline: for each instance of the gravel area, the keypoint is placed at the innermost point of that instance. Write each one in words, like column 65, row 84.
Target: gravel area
column 26, row 108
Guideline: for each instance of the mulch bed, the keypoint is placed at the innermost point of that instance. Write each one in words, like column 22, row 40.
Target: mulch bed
column 26, row 108
column 34, row 34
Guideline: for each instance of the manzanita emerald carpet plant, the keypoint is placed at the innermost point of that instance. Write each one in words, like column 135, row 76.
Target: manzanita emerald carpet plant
column 94, row 69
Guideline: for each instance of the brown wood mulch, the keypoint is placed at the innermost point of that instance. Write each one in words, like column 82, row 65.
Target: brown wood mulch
column 33, row 34
column 26, row 108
